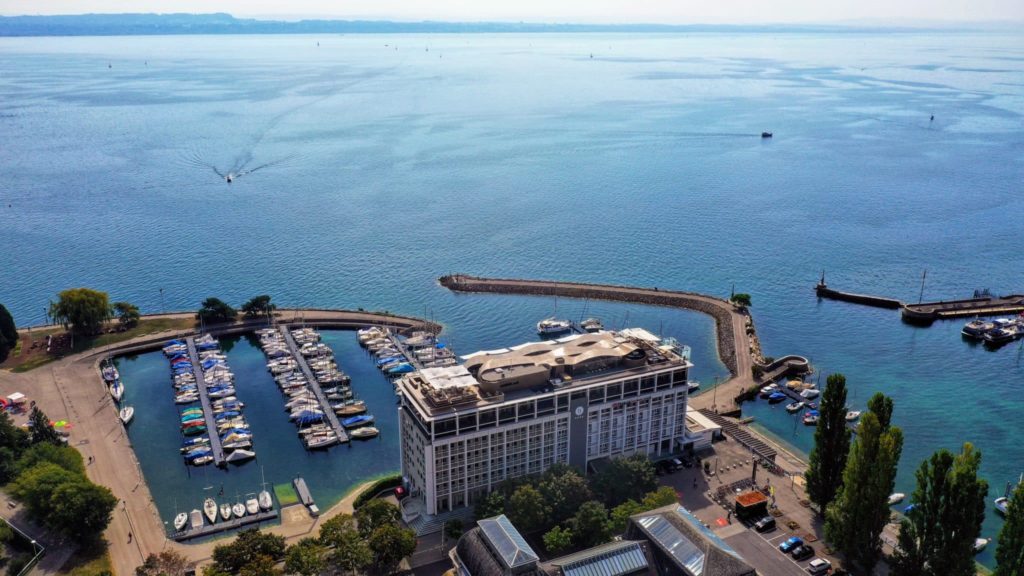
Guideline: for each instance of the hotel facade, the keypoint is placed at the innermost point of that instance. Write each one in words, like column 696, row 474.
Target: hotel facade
column 516, row 411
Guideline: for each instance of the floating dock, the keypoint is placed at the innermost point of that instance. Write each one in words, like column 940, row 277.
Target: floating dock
column 314, row 385
column 304, row 496
column 223, row 526
column 204, row 398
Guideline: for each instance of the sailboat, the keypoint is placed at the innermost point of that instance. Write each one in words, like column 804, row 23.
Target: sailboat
column 265, row 501
column 126, row 414
column 180, row 521
column 252, row 505
column 210, row 510
column 225, row 512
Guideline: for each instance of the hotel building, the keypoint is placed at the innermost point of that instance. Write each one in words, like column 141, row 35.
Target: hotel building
column 516, row 411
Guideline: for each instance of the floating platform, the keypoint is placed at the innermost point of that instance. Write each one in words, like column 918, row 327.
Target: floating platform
column 304, row 496
column 225, row 526
column 204, row 398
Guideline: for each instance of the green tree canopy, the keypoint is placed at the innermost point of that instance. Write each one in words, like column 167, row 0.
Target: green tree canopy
column 350, row 552
column 8, row 330
column 41, row 429
column 13, row 442
column 855, row 519
column 590, row 524
column 261, row 565
column 741, row 299
column 251, row 547
column 663, row 496
column 564, row 491
column 81, row 310
column 333, row 529
column 390, row 544
column 376, row 513
column 216, row 310
column 1010, row 547
column 127, row 313
column 881, row 405
column 305, row 557
column 625, row 479
column 558, row 540
column 258, row 306
column 35, row 486
column 64, row 456
column 491, row 505
column 937, row 537
column 81, row 510
column 528, row 510
column 618, row 518
column 831, row 445
column 166, row 563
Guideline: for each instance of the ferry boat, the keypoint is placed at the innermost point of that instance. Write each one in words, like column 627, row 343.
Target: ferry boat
column 552, row 326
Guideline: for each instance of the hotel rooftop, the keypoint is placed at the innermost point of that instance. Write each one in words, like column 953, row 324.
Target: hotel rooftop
column 535, row 367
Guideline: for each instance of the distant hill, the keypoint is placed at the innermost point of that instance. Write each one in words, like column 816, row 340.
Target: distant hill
column 143, row 24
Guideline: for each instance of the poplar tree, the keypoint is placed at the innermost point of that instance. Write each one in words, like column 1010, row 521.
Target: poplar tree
column 937, row 537
column 825, row 467
column 1010, row 550
column 855, row 519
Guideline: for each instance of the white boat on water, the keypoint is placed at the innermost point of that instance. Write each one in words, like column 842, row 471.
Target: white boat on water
column 1001, row 504
column 240, row 455
column 810, row 393
column 364, row 433
column 196, row 518
column 210, row 510
column 238, row 509
column 980, row 543
column 265, row 501
column 852, row 415
column 592, row 325
column 116, row 390
column 126, row 414
column 180, row 521
column 551, row 326
column 252, row 506
column 896, row 498
column 225, row 512
column 795, row 407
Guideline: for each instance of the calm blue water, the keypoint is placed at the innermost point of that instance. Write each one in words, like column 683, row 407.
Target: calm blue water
column 520, row 155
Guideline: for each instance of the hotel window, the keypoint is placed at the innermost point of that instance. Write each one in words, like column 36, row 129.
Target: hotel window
column 527, row 410
column 597, row 395
column 545, row 406
column 444, row 428
column 614, row 391
column 631, row 388
column 487, row 419
column 507, row 414
column 563, row 402
column 647, row 384
column 467, row 422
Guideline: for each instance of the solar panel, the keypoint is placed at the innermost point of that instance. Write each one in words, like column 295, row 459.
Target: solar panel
column 507, row 541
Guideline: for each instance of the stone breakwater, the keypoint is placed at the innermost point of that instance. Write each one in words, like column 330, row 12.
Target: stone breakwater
column 731, row 341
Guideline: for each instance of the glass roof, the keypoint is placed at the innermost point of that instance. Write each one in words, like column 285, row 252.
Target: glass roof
column 675, row 543
column 507, row 541
column 616, row 562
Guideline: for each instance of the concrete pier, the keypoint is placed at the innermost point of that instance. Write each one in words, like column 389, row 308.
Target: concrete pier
column 224, row 526
column 216, row 449
column 314, row 385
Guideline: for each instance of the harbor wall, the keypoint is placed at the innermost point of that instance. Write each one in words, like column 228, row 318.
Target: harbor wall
column 824, row 291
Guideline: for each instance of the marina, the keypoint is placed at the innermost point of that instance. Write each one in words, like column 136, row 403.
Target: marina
column 216, row 448
column 224, row 526
column 314, row 386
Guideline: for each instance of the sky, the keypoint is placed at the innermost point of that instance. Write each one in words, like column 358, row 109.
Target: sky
column 582, row 11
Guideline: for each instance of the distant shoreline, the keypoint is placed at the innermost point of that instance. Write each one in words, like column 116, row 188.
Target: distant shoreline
column 225, row 24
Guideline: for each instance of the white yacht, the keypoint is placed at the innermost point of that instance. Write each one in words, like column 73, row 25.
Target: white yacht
column 551, row 326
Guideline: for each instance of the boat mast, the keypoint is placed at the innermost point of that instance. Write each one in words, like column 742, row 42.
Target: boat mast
column 920, row 296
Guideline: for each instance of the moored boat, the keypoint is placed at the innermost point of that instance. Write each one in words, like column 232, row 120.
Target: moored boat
column 238, row 509
column 852, row 415
column 364, row 432
column 252, row 506
column 592, row 325
column 811, row 418
column 225, row 512
column 210, row 510
column 240, row 455
column 552, row 326
column 776, row 397
column 1001, row 504
column 980, row 544
column 126, row 414
column 116, row 390
column 794, row 407
column 196, row 519
column 180, row 521
column 896, row 498
column 357, row 421
column 265, row 501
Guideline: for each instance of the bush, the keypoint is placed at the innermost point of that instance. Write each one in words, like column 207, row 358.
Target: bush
column 386, row 483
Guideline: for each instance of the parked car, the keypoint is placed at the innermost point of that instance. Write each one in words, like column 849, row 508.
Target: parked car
column 802, row 552
column 791, row 543
column 687, row 463
column 765, row 524
column 676, row 464
column 819, row 566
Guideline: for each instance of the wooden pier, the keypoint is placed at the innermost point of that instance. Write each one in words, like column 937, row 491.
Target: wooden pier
column 314, row 385
column 410, row 357
column 304, row 496
column 204, row 398
column 224, row 526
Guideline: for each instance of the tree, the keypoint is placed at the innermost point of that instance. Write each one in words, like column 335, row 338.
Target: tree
column 558, row 539
column 741, row 299
column 564, row 491
column 937, row 536
column 376, row 513
column 127, row 314
column 41, row 429
column 590, row 524
column 661, row 497
column 82, row 310
column 390, row 544
column 64, row 456
column 881, row 405
column 855, row 519
column 216, row 310
column 351, row 552
column 81, row 510
column 261, row 565
column 453, row 529
column 8, row 330
column 35, row 486
column 258, row 306
column 13, row 442
column 491, row 505
column 831, row 445
column 1010, row 547
column 305, row 557
column 618, row 519
column 625, row 479
column 251, row 547
column 331, row 531
column 167, row 563
column 528, row 510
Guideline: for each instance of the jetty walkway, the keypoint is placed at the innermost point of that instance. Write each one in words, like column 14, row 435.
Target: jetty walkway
column 204, row 399
column 314, row 385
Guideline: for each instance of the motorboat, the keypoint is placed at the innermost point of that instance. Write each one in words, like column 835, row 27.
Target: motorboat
column 794, row 407
column 811, row 418
column 357, row 421
column 240, row 455
column 592, row 325
column 980, row 543
column 180, row 521
column 210, row 510
column 768, row 390
column 976, row 329
column 252, row 506
column 852, row 415
column 766, row 134
column 109, row 372
column 225, row 512
column 193, row 430
column 351, row 409
column 896, row 498
column 126, row 414
column 1001, row 504
column 235, row 445
column 999, row 336
column 238, row 509
column 776, row 397
column 116, row 390
column 692, row 386
column 196, row 519
column 364, row 432
column 324, row 441
column 810, row 393
column 551, row 326
column 202, row 460
column 403, row 368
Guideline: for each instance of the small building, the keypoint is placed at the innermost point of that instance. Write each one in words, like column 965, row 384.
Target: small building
column 494, row 548
column 700, row 431
column 682, row 545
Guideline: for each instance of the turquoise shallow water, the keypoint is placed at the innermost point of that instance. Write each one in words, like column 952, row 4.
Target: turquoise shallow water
column 520, row 155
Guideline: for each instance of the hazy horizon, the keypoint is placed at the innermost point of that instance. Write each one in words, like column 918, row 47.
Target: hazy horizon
column 741, row 12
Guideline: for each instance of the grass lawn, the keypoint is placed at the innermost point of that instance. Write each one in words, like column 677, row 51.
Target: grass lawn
column 286, row 495
column 25, row 357
column 82, row 564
